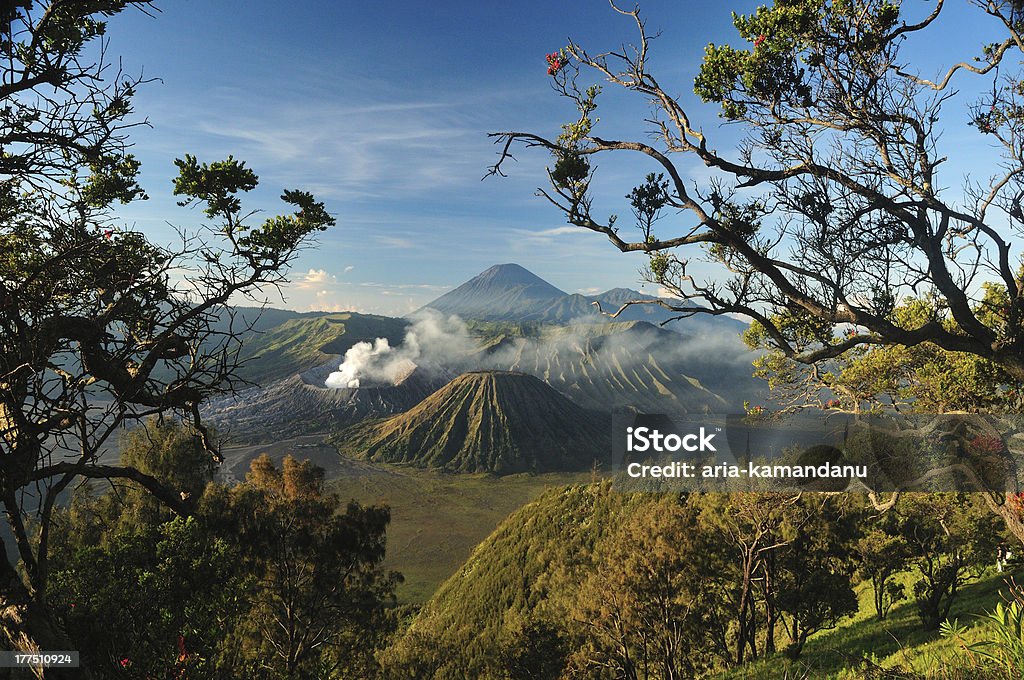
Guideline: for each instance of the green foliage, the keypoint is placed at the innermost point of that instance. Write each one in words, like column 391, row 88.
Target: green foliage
column 921, row 377
column 271, row 578
column 951, row 537
column 571, row 169
column 215, row 184
column 537, row 651
column 648, row 200
column 1001, row 643
column 790, row 39
column 881, row 554
column 318, row 593
column 574, row 134
column 138, row 601
column 649, row 604
column 813, row 581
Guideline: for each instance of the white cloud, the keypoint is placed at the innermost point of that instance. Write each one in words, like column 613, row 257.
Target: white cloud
column 319, row 276
column 314, row 279
column 553, row 236
column 559, row 231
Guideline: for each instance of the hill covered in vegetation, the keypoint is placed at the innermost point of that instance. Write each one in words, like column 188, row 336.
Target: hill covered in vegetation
column 587, row 581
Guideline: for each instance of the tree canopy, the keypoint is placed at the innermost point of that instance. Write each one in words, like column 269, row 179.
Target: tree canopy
column 835, row 207
column 99, row 326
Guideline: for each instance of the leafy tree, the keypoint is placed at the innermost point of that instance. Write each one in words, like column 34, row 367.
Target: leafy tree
column 153, row 602
column 646, row 609
column 814, row 569
column 266, row 574
column 881, row 553
column 99, row 327
column 537, row 651
column 316, row 608
column 951, row 538
column 138, row 589
column 923, row 378
column 748, row 528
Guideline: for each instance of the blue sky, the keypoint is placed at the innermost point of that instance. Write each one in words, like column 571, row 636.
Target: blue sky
column 382, row 110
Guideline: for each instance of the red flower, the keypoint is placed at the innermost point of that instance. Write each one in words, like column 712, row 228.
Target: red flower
column 555, row 63
column 758, row 41
column 108, row 233
column 126, row 662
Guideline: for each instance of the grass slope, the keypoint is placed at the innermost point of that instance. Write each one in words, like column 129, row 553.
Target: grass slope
column 543, row 548
column 897, row 644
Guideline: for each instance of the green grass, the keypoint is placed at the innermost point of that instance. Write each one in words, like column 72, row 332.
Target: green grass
column 437, row 518
column 898, row 642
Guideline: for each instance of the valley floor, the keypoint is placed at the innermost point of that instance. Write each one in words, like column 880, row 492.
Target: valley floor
column 438, row 518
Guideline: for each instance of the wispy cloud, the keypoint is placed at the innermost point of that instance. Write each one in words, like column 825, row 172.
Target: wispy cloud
column 404, row 286
column 396, row 242
column 340, row 151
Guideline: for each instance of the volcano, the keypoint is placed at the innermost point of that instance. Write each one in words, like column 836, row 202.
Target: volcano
column 486, row 421
column 505, row 292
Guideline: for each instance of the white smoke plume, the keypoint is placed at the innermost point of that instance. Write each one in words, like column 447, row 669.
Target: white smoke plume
column 444, row 345
column 365, row 361
column 432, row 342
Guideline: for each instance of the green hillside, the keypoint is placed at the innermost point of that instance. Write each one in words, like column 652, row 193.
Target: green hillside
column 299, row 344
column 542, row 550
column 486, row 421
column 558, row 572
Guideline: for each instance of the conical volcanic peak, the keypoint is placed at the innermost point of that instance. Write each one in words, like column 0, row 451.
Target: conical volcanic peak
column 505, row 291
column 512, row 274
column 487, row 421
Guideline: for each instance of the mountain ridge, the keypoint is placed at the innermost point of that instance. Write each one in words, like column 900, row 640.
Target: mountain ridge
column 510, row 292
